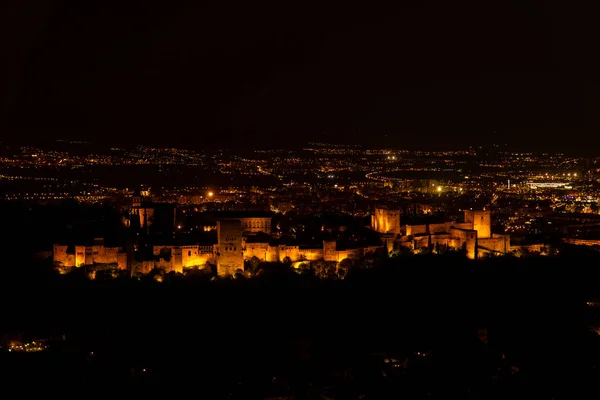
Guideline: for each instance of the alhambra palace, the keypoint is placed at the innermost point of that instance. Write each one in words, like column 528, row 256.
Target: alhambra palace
column 245, row 237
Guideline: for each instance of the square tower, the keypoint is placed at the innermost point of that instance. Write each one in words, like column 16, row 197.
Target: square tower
column 482, row 222
column 230, row 256
column 386, row 221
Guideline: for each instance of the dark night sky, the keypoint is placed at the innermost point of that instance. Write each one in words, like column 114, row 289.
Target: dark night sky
column 432, row 74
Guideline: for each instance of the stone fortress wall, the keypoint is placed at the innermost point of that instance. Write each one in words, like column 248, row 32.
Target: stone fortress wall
column 97, row 253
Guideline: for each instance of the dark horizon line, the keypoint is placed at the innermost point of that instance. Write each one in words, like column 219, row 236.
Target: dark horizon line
column 294, row 144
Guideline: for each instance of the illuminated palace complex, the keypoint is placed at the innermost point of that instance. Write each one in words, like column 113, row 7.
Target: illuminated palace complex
column 228, row 254
column 248, row 237
column 473, row 234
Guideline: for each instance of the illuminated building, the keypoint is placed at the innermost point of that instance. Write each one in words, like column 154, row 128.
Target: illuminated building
column 386, row 221
column 146, row 214
column 141, row 208
column 550, row 185
column 473, row 235
column 97, row 253
column 230, row 256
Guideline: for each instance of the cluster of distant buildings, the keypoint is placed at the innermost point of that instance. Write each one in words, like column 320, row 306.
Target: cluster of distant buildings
column 246, row 236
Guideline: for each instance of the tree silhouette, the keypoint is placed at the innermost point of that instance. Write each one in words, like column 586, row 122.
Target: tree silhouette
column 401, row 251
column 252, row 265
column 343, row 267
column 303, row 268
column 239, row 274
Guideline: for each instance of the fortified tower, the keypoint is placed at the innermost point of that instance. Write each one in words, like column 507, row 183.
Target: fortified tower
column 329, row 250
column 386, row 221
column 482, row 222
column 230, row 256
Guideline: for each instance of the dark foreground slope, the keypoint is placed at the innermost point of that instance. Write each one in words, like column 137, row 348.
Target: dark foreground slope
column 288, row 333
